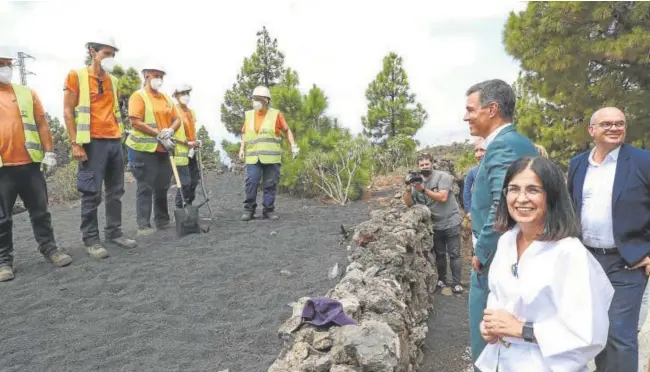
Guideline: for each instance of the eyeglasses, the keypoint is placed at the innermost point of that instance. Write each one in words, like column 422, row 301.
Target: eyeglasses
column 607, row 125
column 100, row 83
column 529, row 191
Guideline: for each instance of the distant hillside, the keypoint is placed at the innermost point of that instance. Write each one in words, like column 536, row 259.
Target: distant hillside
column 461, row 153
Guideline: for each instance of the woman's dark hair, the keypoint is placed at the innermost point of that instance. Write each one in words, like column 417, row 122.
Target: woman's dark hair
column 561, row 220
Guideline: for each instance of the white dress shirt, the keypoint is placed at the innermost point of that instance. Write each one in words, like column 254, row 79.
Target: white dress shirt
column 596, row 214
column 490, row 138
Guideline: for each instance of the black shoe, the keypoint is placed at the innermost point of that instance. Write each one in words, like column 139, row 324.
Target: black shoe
column 247, row 216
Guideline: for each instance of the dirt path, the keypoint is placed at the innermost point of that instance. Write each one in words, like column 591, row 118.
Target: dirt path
column 204, row 303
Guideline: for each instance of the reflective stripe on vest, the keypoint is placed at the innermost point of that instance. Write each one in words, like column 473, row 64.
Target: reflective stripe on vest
column 82, row 111
column 263, row 146
column 140, row 141
column 181, row 151
column 25, row 102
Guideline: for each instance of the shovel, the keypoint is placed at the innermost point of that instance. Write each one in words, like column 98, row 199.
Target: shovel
column 187, row 217
column 205, row 194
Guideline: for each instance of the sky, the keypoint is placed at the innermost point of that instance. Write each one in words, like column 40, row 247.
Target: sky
column 337, row 45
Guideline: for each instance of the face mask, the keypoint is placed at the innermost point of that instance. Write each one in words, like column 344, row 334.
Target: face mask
column 156, row 83
column 108, row 64
column 6, row 73
column 184, row 99
column 426, row 172
column 257, row 105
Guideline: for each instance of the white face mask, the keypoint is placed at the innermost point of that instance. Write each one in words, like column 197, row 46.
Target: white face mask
column 257, row 105
column 6, row 73
column 108, row 64
column 156, row 83
column 184, row 99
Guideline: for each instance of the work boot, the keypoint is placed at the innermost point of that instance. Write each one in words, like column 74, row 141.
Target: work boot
column 269, row 215
column 97, row 251
column 59, row 258
column 124, row 242
column 6, row 273
column 247, row 216
column 145, row 231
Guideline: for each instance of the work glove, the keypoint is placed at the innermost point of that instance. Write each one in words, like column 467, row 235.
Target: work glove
column 167, row 143
column 191, row 153
column 49, row 161
column 295, row 150
column 166, row 133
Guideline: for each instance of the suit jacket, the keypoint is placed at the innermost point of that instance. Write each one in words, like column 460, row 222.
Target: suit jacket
column 506, row 147
column 630, row 199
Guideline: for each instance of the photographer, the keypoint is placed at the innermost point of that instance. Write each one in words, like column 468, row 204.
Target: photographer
column 433, row 189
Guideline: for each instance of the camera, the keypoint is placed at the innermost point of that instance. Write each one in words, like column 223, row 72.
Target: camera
column 413, row 178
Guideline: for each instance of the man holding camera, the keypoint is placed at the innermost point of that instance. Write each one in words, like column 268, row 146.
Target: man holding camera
column 433, row 188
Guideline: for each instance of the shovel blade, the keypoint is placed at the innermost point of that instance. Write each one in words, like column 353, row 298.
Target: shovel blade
column 187, row 221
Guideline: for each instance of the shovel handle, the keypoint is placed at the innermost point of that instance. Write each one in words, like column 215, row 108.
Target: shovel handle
column 175, row 170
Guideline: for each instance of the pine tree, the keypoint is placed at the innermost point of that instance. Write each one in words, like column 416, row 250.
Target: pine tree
column 264, row 67
column 209, row 155
column 577, row 57
column 392, row 109
column 129, row 82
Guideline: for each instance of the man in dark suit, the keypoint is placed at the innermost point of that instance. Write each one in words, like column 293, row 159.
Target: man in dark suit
column 490, row 107
column 610, row 186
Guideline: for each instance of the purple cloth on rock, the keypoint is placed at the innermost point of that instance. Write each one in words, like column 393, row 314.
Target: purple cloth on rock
column 323, row 311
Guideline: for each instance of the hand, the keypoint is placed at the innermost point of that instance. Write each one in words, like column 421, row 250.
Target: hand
column 49, row 161
column 166, row 133
column 241, row 154
column 194, row 144
column 644, row 263
column 476, row 264
column 487, row 336
column 198, row 143
column 295, row 150
column 419, row 187
column 78, row 153
column 168, row 144
column 501, row 323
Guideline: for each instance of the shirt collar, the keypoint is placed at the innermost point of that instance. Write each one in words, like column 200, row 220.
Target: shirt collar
column 611, row 157
column 493, row 135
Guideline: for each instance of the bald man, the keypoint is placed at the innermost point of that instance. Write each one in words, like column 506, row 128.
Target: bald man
column 610, row 186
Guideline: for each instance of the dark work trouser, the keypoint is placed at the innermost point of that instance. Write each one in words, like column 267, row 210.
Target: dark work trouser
column 269, row 175
column 28, row 182
column 153, row 173
column 105, row 165
column 622, row 350
column 447, row 242
column 190, row 178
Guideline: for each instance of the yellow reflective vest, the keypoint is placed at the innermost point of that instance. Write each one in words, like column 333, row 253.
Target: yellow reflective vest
column 264, row 146
column 82, row 111
column 141, row 141
column 25, row 102
column 182, row 151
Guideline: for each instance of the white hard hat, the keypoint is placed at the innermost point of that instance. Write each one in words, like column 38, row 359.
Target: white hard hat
column 155, row 67
column 262, row 91
column 183, row 87
column 5, row 53
column 103, row 39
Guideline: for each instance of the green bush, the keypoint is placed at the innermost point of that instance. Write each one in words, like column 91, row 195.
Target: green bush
column 63, row 183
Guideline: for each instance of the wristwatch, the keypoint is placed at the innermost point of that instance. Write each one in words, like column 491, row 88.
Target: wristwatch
column 528, row 332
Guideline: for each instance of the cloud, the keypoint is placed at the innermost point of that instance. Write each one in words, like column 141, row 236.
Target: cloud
column 338, row 45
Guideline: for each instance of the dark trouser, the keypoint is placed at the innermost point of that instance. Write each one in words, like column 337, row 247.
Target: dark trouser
column 622, row 350
column 105, row 165
column 153, row 173
column 445, row 242
column 269, row 174
column 190, row 178
column 28, row 182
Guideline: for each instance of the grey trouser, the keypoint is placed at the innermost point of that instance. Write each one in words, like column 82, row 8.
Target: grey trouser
column 153, row 173
column 105, row 165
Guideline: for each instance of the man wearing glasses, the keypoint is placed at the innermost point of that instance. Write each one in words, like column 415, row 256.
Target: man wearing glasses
column 610, row 187
column 94, row 122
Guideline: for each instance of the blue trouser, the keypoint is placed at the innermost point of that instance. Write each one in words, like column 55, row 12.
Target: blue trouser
column 622, row 350
column 269, row 174
column 478, row 294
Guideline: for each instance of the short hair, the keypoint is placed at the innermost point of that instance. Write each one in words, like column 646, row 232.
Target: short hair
column 542, row 151
column 561, row 220
column 425, row 155
column 499, row 92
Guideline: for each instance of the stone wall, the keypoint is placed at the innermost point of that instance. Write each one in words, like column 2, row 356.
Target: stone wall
column 386, row 288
